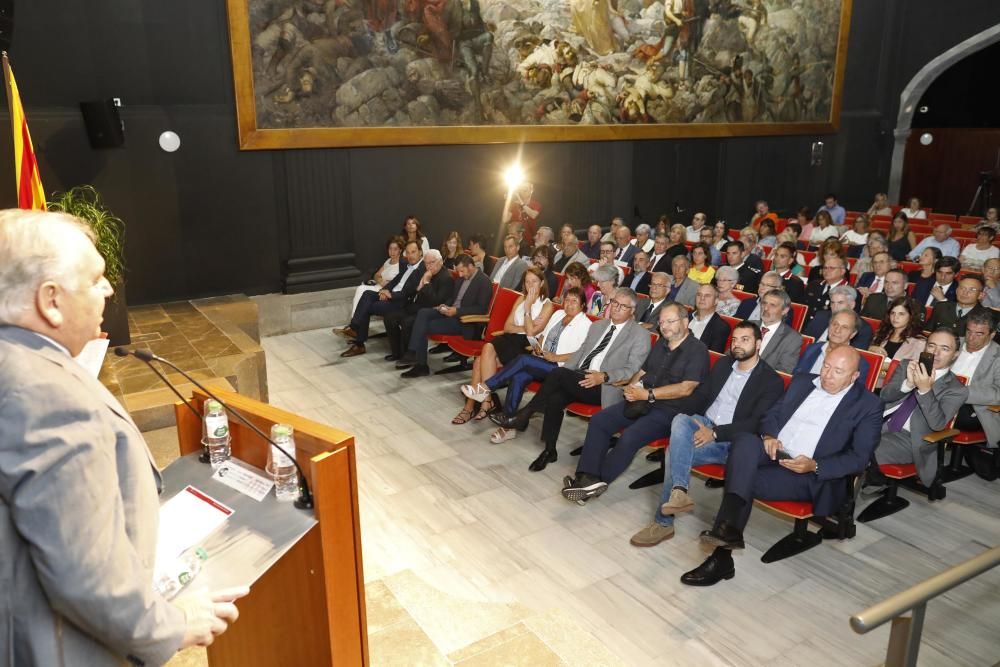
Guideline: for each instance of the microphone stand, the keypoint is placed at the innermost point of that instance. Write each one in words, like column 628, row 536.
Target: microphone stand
column 305, row 499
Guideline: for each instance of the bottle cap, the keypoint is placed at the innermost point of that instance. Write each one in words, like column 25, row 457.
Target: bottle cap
column 281, row 431
column 201, row 553
column 211, row 405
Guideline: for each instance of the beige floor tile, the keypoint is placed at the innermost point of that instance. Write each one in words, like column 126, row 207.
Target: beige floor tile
column 381, row 607
column 525, row 650
column 404, row 644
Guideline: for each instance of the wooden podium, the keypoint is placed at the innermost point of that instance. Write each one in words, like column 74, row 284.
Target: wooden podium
column 308, row 607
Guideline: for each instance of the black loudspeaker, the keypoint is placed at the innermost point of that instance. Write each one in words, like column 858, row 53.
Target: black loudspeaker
column 104, row 126
column 6, row 24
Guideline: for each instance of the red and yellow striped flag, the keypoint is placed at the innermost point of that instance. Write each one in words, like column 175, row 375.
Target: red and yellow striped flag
column 30, row 194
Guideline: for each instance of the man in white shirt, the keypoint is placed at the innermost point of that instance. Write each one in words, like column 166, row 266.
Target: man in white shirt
column 941, row 240
column 649, row 316
column 707, row 325
column 607, row 259
column 624, row 250
column 694, row 229
column 509, row 271
column 610, row 237
column 660, row 244
column 569, row 253
column 979, row 361
column 858, row 236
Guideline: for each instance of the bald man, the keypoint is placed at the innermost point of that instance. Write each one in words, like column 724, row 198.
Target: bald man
column 822, row 430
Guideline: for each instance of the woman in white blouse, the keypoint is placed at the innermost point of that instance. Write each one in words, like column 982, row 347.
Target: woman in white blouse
column 823, row 229
column 975, row 254
column 528, row 317
column 913, row 210
column 563, row 336
column 385, row 273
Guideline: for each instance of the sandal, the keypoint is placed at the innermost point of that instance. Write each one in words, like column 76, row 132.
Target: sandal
column 502, row 435
column 462, row 417
column 477, row 393
column 485, row 408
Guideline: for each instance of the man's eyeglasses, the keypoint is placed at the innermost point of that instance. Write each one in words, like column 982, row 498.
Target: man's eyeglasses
column 619, row 304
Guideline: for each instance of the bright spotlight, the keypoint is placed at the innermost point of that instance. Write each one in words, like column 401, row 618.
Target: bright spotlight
column 514, row 176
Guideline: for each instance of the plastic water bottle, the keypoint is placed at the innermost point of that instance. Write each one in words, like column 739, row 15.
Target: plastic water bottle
column 215, row 436
column 280, row 467
column 180, row 573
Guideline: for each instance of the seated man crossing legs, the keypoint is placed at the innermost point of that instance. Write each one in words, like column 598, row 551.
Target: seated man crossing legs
column 741, row 388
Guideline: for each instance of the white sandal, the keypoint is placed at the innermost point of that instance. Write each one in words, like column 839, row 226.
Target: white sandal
column 477, row 393
column 502, row 435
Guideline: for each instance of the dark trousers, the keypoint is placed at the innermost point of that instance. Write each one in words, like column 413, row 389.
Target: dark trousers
column 369, row 305
column 608, row 465
column 398, row 327
column 750, row 474
column 516, row 375
column 561, row 387
column 429, row 321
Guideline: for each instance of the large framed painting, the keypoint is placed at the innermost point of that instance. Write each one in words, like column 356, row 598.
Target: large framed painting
column 324, row 73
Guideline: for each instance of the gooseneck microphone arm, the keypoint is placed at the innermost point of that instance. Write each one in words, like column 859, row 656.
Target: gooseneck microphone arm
column 305, row 499
column 124, row 352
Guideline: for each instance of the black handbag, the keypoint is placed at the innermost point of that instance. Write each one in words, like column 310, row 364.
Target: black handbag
column 636, row 409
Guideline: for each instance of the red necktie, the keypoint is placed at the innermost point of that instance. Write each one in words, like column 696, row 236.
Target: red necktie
column 763, row 331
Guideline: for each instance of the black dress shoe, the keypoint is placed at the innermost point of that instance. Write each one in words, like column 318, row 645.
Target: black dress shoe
column 454, row 358
column 726, row 536
column 391, row 357
column 657, row 455
column 440, row 348
column 518, row 420
column 418, row 370
column 577, row 451
column 716, row 567
column 546, row 457
column 406, row 361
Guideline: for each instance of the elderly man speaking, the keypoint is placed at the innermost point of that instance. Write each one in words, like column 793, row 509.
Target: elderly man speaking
column 78, row 489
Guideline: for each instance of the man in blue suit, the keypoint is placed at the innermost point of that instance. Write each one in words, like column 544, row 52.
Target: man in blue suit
column 822, row 430
column 843, row 297
column 842, row 330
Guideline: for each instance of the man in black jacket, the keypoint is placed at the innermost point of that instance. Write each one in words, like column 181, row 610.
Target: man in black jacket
column 472, row 295
column 706, row 324
column 953, row 314
column 435, row 286
column 390, row 299
column 741, row 387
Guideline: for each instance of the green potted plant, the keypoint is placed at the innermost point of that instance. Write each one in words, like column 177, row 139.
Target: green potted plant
column 84, row 202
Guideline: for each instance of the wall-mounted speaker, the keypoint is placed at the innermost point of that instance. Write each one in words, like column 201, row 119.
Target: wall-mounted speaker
column 6, row 24
column 104, row 126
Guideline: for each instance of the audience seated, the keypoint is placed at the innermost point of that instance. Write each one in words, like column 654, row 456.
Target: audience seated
column 411, row 232
column 818, row 292
column 670, row 382
column 826, row 428
column 873, row 282
column 750, row 309
column 509, row 269
column 608, row 259
column 435, row 287
column 843, row 297
column 541, row 258
column 901, row 239
column 762, row 212
column 611, row 236
column 823, row 228
column 952, row 315
column 803, row 218
column 844, row 326
column 692, row 233
column 563, row 335
column 643, row 240
column 682, row 289
column 451, row 249
column 578, row 276
column 708, row 238
column 720, row 235
column 592, row 247
column 624, row 250
column 390, row 298
column 638, row 280
column 880, row 206
column 768, row 236
column 975, row 254
column 876, row 304
column 607, row 282
column 991, row 274
column 472, row 296
column 385, row 273
column 613, row 352
column 701, row 270
column 917, row 403
column 900, row 335
column 856, row 237
column 913, row 210
column 570, row 252
column 528, row 318
column 943, row 287
column 741, row 388
column 648, row 312
column 706, row 324
column 780, row 343
column 749, row 274
column 543, row 237
column 836, row 211
column 726, row 278
column 979, row 361
column 941, row 239
column 829, row 249
column 751, row 240
column 677, row 237
column 791, row 272
column 876, row 244
column 477, row 250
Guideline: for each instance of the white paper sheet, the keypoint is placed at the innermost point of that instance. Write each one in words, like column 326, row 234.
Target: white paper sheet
column 186, row 520
column 92, row 355
column 243, row 477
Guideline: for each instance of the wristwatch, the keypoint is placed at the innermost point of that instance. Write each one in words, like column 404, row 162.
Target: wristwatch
column 607, row 378
column 651, row 399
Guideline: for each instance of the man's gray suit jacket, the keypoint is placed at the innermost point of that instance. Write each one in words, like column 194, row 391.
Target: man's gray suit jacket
column 782, row 351
column 984, row 391
column 79, row 513
column 512, row 276
column 623, row 360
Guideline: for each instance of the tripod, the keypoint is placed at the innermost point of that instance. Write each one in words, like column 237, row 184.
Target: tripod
column 984, row 194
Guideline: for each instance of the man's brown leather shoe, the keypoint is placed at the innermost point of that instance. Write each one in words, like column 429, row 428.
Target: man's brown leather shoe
column 353, row 351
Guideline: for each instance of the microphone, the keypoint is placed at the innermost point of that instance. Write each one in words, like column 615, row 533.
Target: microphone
column 305, row 499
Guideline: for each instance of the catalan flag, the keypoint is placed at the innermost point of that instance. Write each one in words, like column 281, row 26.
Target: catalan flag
column 30, row 194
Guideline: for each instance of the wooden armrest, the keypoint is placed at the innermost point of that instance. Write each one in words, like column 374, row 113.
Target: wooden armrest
column 995, row 408
column 938, row 436
column 494, row 334
column 474, row 319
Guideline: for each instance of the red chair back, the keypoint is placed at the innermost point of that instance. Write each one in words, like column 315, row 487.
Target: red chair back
column 503, row 302
column 786, row 378
column 732, row 322
column 712, row 358
column 799, row 312
column 767, row 264
column 873, row 323
column 560, row 281
column 806, row 342
column 909, row 266
column 743, row 296
column 874, row 368
column 808, row 256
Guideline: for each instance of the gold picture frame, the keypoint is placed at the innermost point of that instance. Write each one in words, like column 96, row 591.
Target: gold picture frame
column 256, row 135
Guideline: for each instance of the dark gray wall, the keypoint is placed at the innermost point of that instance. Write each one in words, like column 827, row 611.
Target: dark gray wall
column 210, row 219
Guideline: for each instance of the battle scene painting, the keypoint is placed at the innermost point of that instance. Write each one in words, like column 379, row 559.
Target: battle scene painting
column 587, row 64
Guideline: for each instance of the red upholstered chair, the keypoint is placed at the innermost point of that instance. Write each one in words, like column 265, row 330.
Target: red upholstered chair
column 873, row 323
column 806, row 342
column 875, row 362
column 905, row 474
column 448, row 339
column 743, row 296
column 732, row 322
column 808, row 256
column 767, row 264
column 799, row 312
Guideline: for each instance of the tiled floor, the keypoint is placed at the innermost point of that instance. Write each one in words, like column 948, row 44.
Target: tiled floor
column 470, row 559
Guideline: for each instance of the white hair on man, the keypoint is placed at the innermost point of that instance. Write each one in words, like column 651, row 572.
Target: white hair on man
column 36, row 246
column 643, row 229
column 606, row 273
column 847, row 291
column 433, row 254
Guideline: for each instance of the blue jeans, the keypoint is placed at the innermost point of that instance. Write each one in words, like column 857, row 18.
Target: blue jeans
column 518, row 374
column 682, row 455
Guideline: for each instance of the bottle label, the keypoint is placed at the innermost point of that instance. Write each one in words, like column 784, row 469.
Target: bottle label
column 279, row 459
column 216, row 426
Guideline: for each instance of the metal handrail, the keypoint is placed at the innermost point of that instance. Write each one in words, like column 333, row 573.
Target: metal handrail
column 904, row 640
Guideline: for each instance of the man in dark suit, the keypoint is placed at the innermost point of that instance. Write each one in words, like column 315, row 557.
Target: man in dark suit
column 648, row 312
column 873, row 282
column 877, row 303
column 784, row 258
column 844, row 326
column 671, row 382
column 818, row 292
column 843, row 297
column 741, row 388
column 477, row 250
column 739, row 259
column 390, row 299
column 749, row 309
column 638, row 280
column 917, row 403
column 624, row 250
column 953, row 314
column 472, row 294
column 660, row 261
column 943, row 287
column 706, row 324
column 825, row 428
column 435, row 286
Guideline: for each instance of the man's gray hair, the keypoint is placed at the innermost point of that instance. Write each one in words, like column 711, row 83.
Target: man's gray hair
column 782, row 295
column 855, row 318
column 629, row 294
column 980, row 316
column 549, row 234
column 846, row 290
column 434, row 254
column 605, row 272
column 681, row 258
column 728, row 273
column 643, row 229
column 34, row 247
